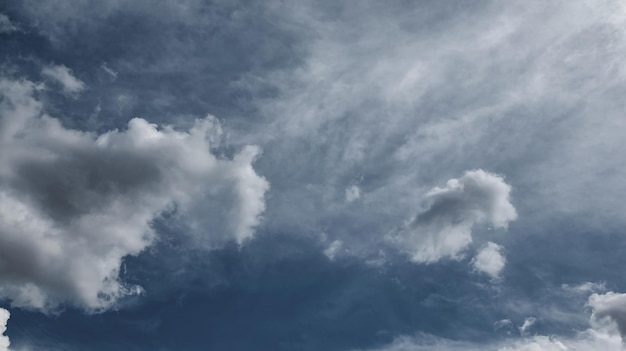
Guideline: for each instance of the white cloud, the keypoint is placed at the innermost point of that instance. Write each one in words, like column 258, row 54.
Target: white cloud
column 112, row 74
column 489, row 260
column 528, row 323
column 584, row 288
column 73, row 203
column 443, row 228
column 332, row 249
column 63, row 76
column 6, row 26
column 610, row 305
column 4, row 340
column 353, row 193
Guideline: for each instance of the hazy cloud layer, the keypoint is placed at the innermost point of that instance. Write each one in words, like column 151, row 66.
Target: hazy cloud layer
column 443, row 228
column 74, row 203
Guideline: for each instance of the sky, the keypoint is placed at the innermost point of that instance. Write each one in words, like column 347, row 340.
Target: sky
column 312, row 175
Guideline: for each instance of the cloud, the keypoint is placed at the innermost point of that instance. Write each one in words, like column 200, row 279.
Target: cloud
column 352, row 193
column 6, row 26
column 111, row 73
column 610, row 305
column 63, row 76
column 73, row 204
column 590, row 339
column 333, row 249
column 489, row 260
column 528, row 323
column 443, row 228
column 4, row 340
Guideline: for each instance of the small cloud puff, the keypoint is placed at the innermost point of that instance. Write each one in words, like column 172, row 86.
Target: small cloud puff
column 489, row 260
column 64, row 77
column 332, row 249
column 443, row 228
column 353, row 193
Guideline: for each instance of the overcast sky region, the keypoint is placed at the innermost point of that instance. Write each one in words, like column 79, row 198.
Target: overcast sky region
column 312, row 175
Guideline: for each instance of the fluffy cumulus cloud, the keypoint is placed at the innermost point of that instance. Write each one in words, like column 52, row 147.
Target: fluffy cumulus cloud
column 64, row 77
column 73, row 204
column 4, row 340
column 489, row 260
column 443, row 228
column 610, row 305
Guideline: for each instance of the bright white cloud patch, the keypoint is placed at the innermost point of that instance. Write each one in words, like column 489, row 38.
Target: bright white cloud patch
column 489, row 260
column 73, row 204
column 443, row 228
column 4, row 340
column 63, row 76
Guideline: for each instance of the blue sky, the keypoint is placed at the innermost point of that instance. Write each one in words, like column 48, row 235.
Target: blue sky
column 312, row 175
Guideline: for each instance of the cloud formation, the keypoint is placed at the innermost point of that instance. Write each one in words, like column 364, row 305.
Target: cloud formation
column 73, row 204
column 4, row 340
column 610, row 305
column 489, row 260
column 6, row 26
column 443, row 228
column 64, row 77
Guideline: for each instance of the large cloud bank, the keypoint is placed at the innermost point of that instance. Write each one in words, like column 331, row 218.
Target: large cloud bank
column 443, row 228
column 73, row 204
